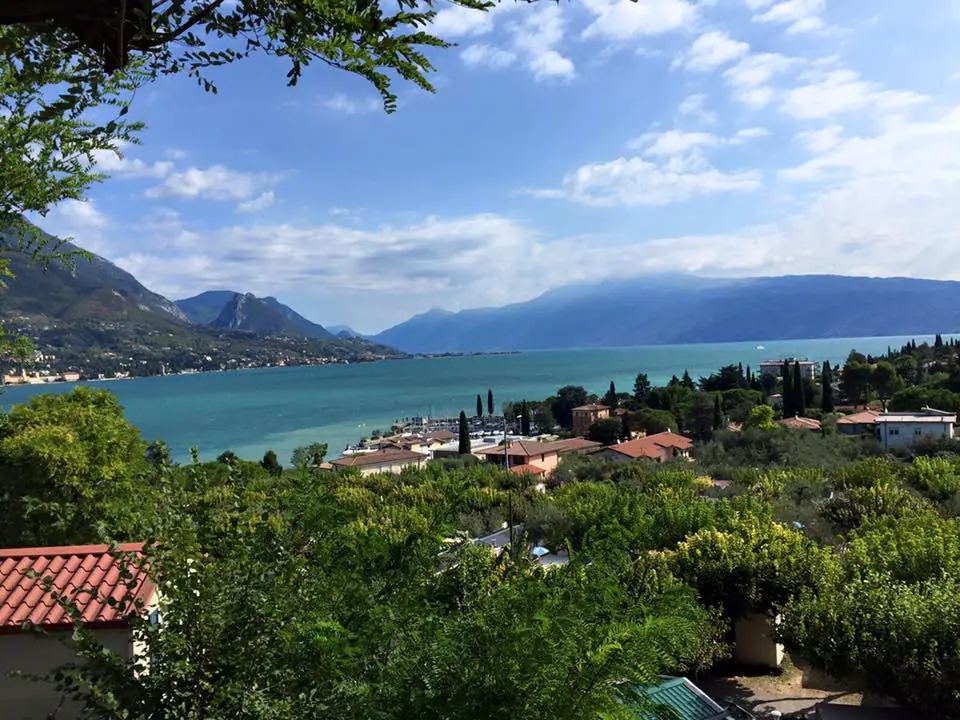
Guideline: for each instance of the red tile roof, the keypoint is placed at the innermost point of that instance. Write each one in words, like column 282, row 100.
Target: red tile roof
column 866, row 417
column 380, row 457
column 525, row 469
column 652, row 446
column 530, row 448
column 592, row 407
column 88, row 568
column 801, row 423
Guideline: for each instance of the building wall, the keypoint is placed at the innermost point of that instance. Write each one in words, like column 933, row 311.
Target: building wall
column 808, row 369
column 33, row 654
column 548, row 462
column 583, row 419
column 856, row 428
column 894, row 434
column 755, row 642
column 394, row 468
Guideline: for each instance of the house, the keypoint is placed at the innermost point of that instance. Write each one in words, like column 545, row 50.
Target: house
column 902, row 429
column 389, row 460
column 91, row 574
column 543, row 455
column 660, row 447
column 687, row 702
column 861, row 423
column 586, row 415
column 802, row 423
column 808, row 368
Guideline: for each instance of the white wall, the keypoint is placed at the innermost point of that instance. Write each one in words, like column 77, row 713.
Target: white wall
column 904, row 434
column 35, row 654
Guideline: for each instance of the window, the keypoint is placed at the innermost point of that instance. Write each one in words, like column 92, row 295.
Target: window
column 918, row 431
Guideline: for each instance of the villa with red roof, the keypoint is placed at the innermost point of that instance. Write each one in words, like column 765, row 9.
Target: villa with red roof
column 533, row 455
column 91, row 574
column 660, row 447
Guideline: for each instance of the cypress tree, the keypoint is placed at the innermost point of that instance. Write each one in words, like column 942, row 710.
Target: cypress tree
column 826, row 388
column 799, row 401
column 787, row 394
column 741, row 378
column 610, row 399
column 479, row 406
column 938, row 341
column 464, row 448
column 271, row 464
column 717, row 413
column 626, row 430
column 749, row 377
column 524, row 418
column 687, row 381
column 490, row 403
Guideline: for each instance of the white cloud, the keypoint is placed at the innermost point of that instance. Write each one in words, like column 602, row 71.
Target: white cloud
column 460, row 21
column 482, row 55
column 821, row 140
column 694, row 107
column 626, row 19
column 261, row 202
column 116, row 164
column 672, row 142
column 750, row 78
column 213, row 183
column 801, row 15
column 80, row 220
column 536, row 37
column 711, row 50
column 840, row 91
column 752, row 133
column 350, row 106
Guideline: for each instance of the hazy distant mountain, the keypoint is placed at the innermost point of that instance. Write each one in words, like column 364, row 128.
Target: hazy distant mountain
column 345, row 332
column 678, row 309
column 244, row 311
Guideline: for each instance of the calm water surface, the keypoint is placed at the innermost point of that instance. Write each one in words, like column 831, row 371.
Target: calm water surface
column 252, row 411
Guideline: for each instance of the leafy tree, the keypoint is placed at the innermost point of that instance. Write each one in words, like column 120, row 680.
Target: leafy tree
column 717, row 413
column 855, row 382
column 886, row 380
column 826, row 389
column 73, row 471
column 687, row 381
column 903, row 639
column 464, row 435
column 641, row 387
column 490, row 407
column 729, row 377
column 761, row 418
column 606, row 431
column 654, row 421
column 789, row 403
column 479, row 406
column 568, row 397
column 524, row 418
column 309, row 456
column 799, row 397
column 913, row 399
column 271, row 464
column 755, row 566
column 158, row 454
column 227, row 457
column 610, row 399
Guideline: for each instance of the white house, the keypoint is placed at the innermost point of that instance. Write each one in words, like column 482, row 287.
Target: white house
column 903, row 429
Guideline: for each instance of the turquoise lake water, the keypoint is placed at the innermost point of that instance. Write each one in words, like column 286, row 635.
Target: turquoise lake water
column 251, row 411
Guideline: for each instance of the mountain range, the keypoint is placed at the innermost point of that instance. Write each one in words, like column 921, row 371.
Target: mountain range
column 96, row 317
column 679, row 309
column 246, row 312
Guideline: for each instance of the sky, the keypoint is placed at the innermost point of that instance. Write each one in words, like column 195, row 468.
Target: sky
column 566, row 142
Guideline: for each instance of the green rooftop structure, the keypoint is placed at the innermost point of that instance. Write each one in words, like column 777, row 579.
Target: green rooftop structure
column 687, row 701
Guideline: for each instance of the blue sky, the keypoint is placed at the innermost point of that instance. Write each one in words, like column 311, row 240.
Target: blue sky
column 567, row 142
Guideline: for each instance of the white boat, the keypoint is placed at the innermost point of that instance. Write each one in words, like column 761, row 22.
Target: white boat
column 760, row 347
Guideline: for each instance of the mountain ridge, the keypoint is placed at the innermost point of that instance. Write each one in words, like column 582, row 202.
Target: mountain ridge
column 248, row 313
column 671, row 309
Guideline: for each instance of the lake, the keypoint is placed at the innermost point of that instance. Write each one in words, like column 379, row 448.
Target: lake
column 251, row 411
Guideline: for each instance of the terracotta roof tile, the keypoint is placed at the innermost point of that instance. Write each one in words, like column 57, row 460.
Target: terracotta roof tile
column 652, row 446
column 524, row 469
column 530, row 448
column 380, row 457
column 867, row 417
column 592, row 407
column 801, row 423
column 88, row 573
